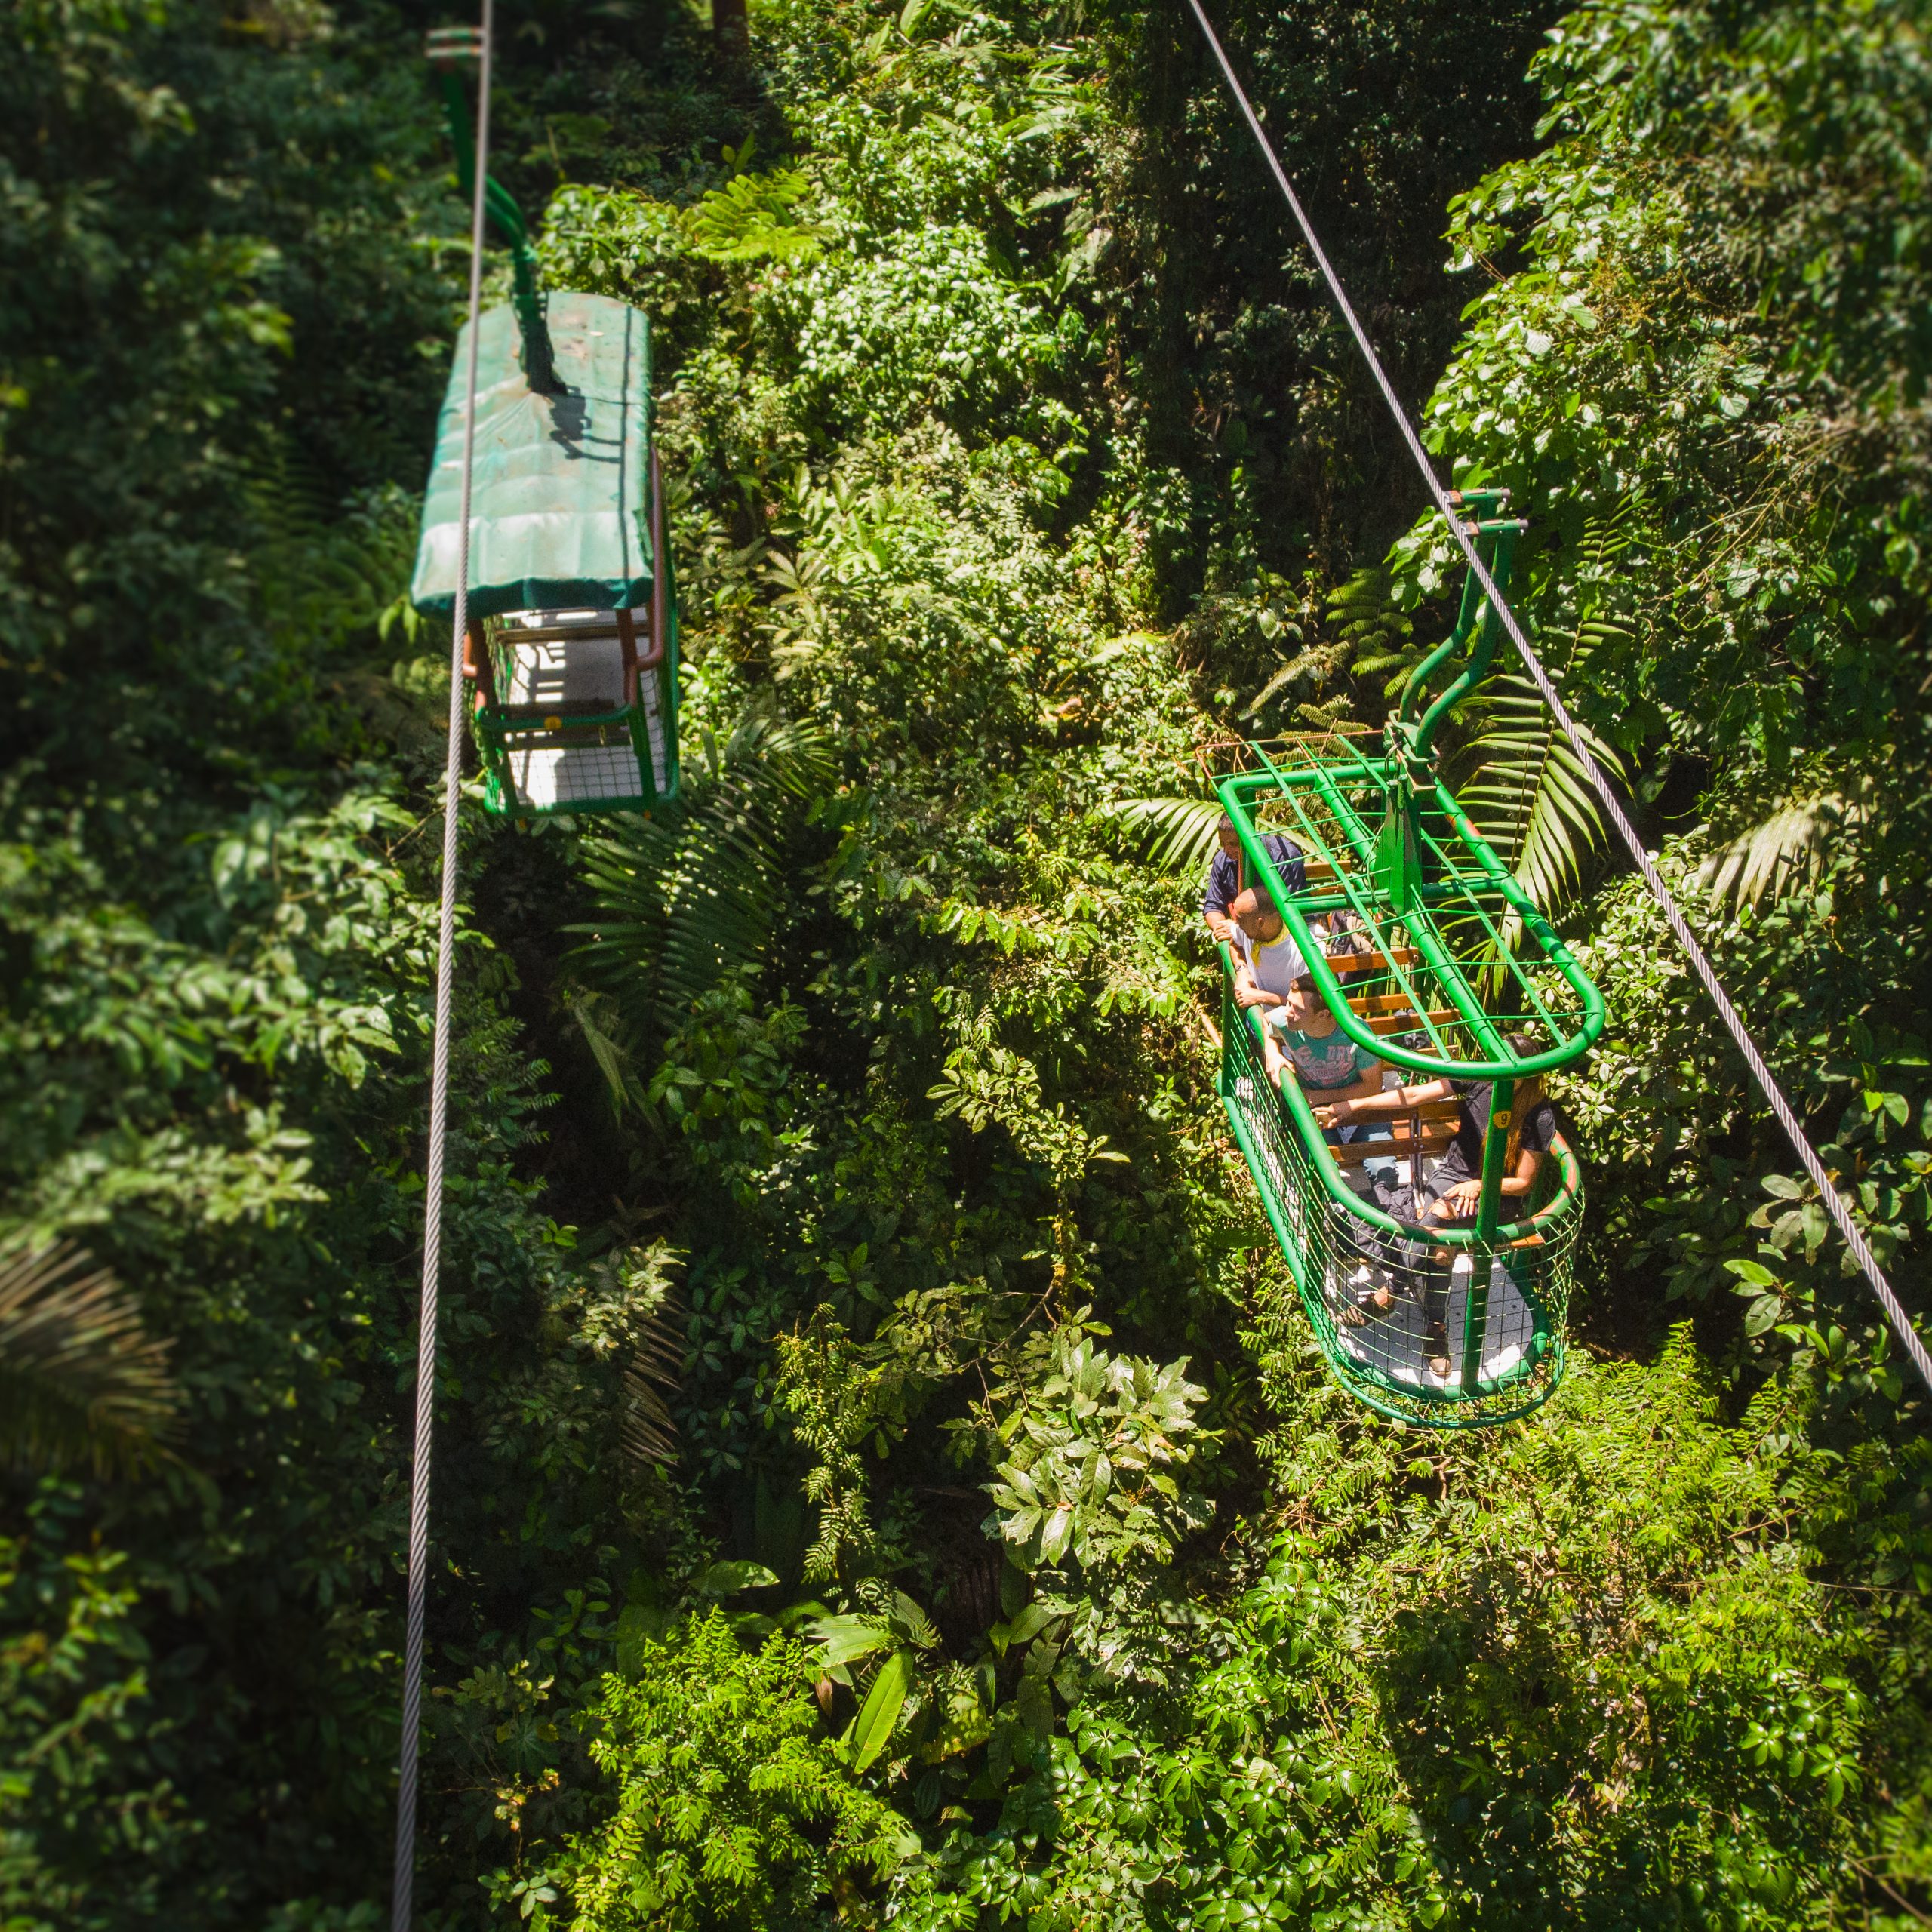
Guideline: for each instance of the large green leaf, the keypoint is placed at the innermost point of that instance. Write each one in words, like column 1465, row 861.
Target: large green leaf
column 727, row 1579
column 879, row 1714
column 845, row 1639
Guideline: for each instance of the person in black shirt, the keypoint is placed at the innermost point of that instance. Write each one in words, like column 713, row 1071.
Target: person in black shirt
column 1448, row 1193
column 1454, row 1187
column 1227, row 875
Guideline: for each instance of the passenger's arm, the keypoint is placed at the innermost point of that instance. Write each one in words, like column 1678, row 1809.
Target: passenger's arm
column 1248, row 993
column 1274, row 1062
column 1367, row 1101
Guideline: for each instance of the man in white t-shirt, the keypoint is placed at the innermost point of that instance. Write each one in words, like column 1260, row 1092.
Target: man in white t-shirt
column 1267, row 962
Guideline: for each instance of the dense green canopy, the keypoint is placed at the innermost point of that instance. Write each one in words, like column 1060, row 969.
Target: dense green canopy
column 882, row 1475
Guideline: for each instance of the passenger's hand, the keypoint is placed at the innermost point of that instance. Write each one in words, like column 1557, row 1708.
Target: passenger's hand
column 1461, row 1199
column 1339, row 1113
column 1247, row 993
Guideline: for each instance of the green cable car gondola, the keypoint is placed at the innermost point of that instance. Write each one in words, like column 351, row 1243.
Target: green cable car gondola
column 1440, row 996
column 572, row 620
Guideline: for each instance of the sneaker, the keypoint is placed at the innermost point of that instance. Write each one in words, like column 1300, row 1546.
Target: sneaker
column 1437, row 1342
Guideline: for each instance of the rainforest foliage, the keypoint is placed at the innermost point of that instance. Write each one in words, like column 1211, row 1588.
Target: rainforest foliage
column 882, row 1474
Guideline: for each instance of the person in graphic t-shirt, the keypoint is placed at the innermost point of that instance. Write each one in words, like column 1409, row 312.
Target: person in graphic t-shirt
column 1304, row 1034
column 1447, row 1194
column 1227, row 875
column 1266, row 960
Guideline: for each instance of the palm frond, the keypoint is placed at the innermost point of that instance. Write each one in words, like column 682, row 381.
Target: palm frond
column 647, row 1433
column 1179, row 833
column 82, row 1383
column 686, row 895
column 1517, row 776
column 1528, row 795
column 1782, row 850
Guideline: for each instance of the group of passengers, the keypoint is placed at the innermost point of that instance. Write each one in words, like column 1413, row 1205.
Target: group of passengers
column 1344, row 1081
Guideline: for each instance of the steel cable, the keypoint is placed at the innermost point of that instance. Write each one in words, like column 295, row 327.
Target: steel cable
column 1786, row 1116
column 403, row 1899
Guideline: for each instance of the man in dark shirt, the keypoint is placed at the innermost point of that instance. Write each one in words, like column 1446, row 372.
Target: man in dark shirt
column 1227, row 879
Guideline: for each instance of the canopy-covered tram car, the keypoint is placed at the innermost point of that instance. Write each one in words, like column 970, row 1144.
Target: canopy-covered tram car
column 1433, row 1324
column 572, row 641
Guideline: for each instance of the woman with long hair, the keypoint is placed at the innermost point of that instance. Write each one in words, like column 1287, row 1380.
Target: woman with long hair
column 1447, row 1194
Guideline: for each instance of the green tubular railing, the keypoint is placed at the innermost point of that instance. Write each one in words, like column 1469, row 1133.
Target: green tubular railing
column 450, row 51
column 1235, row 794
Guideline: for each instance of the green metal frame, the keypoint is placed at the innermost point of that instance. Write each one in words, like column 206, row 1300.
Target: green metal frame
column 450, row 51
column 497, row 735
column 1402, row 856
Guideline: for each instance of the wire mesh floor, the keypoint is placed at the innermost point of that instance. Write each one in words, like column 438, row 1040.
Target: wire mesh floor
column 1396, row 1340
column 548, row 775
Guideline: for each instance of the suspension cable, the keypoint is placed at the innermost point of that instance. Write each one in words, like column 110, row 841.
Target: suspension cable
column 403, row 1898
column 1787, row 1118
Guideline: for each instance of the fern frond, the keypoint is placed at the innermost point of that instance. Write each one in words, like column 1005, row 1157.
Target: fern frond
column 686, row 895
column 750, row 219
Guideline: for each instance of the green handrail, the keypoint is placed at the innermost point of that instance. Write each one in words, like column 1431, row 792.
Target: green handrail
column 540, row 369
column 1501, row 549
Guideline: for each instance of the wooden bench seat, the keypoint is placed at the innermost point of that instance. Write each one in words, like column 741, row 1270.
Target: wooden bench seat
column 1435, row 1135
column 1403, row 1021
column 1367, row 1003
column 1371, row 962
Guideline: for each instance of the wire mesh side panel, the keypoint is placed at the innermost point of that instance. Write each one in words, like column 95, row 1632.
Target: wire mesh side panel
column 1279, row 1163
column 1429, row 1333
column 651, row 692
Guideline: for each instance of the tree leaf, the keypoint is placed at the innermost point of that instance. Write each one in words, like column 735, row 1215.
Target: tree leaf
column 844, row 1639
column 880, row 1712
column 725, row 1580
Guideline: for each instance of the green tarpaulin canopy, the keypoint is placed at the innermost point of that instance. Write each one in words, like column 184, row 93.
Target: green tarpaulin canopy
column 560, row 502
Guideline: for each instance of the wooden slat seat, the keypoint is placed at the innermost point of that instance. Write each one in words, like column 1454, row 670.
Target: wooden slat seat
column 1436, row 1134
column 1368, row 1003
column 1371, row 962
column 1405, row 1021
